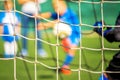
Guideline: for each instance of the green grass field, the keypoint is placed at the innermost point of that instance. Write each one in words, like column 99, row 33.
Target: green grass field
column 90, row 59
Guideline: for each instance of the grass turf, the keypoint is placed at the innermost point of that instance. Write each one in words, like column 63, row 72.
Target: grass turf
column 90, row 60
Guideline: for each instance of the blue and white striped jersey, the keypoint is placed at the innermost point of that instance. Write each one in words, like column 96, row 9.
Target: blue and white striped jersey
column 9, row 20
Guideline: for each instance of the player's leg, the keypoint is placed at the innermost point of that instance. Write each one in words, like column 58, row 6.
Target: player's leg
column 69, row 57
column 41, row 51
column 25, row 29
column 68, row 43
column 10, row 48
column 65, row 69
column 13, row 48
column 7, row 50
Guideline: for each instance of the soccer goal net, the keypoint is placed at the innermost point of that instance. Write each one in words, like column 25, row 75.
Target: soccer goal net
column 22, row 41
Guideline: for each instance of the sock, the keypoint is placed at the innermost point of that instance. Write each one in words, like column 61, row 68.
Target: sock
column 68, row 59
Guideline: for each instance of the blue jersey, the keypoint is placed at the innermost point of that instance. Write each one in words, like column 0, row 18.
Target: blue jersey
column 71, row 18
column 9, row 20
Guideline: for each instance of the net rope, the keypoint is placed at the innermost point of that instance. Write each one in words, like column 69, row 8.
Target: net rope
column 57, row 44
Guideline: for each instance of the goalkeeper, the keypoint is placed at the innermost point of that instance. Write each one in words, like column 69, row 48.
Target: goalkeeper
column 66, row 15
column 109, row 33
column 9, row 26
column 114, row 66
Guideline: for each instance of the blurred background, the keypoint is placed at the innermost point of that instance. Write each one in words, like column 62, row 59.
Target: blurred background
column 32, row 67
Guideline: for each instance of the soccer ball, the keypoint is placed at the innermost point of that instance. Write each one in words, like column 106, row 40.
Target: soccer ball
column 62, row 30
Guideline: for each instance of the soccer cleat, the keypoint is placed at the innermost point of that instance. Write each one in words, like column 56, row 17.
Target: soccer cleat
column 42, row 53
column 65, row 70
column 24, row 52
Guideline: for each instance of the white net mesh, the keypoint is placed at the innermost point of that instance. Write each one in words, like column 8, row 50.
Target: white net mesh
column 92, row 56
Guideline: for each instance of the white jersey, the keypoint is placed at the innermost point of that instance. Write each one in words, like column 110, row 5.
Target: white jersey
column 31, row 7
column 10, row 20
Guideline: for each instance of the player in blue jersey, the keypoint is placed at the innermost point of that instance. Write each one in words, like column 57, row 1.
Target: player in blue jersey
column 66, row 15
column 30, row 8
column 10, row 26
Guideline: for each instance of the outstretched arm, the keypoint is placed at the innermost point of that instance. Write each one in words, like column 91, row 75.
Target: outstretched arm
column 46, row 25
column 45, row 15
column 108, row 32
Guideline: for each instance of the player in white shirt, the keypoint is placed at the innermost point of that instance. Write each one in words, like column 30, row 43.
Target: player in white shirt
column 9, row 26
column 31, row 8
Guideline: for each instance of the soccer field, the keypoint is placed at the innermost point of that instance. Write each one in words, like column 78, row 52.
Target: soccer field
column 91, row 61
column 88, row 58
